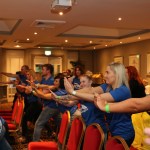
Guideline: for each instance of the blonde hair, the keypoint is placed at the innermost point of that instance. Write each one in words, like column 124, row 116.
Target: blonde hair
column 120, row 72
column 32, row 73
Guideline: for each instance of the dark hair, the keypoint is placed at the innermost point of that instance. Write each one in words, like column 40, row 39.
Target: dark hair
column 80, row 68
column 26, row 67
column 49, row 67
column 60, row 76
column 68, row 70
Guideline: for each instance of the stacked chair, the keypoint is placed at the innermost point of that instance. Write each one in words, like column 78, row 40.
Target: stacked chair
column 9, row 116
column 15, row 124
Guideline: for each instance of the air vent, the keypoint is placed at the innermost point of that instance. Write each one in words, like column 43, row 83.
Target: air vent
column 47, row 23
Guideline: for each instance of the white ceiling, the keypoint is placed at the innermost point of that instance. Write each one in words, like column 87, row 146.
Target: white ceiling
column 88, row 20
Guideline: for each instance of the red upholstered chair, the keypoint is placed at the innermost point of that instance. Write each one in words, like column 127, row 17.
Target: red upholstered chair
column 10, row 117
column 94, row 137
column 74, row 141
column 76, row 134
column 51, row 145
column 116, row 143
column 15, row 125
column 133, row 148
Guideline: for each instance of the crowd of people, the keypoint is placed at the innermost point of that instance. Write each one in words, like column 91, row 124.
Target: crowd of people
column 111, row 104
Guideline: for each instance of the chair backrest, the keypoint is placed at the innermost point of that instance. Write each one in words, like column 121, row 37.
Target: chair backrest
column 94, row 137
column 64, row 126
column 116, row 143
column 76, row 134
column 20, row 110
column 16, row 106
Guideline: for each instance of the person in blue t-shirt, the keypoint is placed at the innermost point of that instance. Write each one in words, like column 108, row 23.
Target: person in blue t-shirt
column 75, row 79
column 88, row 109
column 115, row 89
column 59, row 91
column 34, row 106
column 49, row 107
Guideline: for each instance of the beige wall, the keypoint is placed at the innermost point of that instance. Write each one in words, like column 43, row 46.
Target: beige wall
column 105, row 56
column 95, row 60
column 28, row 55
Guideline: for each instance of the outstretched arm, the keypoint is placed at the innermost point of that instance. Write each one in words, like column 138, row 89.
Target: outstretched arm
column 40, row 94
column 84, row 94
column 41, row 86
column 9, row 74
column 132, row 105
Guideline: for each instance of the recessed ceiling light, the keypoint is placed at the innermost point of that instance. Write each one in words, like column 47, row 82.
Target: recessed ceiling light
column 119, row 19
column 120, row 42
column 17, row 46
column 91, row 42
column 61, row 13
column 28, row 39
column 35, row 33
column 106, row 45
column 66, row 41
column 48, row 53
column 139, row 37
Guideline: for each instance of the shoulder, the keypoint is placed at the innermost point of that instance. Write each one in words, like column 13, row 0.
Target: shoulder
column 104, row 86
column 121, row 93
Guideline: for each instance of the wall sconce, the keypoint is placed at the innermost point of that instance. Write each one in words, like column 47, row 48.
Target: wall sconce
column 48, row 53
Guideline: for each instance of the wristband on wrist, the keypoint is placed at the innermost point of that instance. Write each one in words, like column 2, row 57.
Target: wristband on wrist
column 74, row 92
column 32, row 92
column 107, row 108
column 58, row 97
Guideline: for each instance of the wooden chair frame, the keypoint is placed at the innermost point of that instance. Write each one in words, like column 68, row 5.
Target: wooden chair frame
column 96, row 125
column 123, row 142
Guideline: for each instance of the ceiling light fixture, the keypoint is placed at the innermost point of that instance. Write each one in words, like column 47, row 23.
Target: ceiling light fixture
column 119, row 19
column 61, row 13
column 17, row 46
column 48, row 53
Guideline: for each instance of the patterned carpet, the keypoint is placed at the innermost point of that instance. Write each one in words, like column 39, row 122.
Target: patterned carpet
column 17, row 145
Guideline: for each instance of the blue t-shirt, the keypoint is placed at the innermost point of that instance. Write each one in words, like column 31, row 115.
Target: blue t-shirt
column 49, row 81
column 76, row 83
column 32, row 98
column 119, row 123
column 91, row 114
column 23, row 79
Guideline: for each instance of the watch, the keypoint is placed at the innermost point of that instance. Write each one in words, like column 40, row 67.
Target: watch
column 74, row 92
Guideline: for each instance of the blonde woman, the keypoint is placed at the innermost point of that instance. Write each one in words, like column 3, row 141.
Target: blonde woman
column 115, row 89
